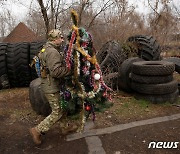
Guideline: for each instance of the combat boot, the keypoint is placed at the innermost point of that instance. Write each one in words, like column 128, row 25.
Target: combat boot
column 36, row 135
column 68, row 129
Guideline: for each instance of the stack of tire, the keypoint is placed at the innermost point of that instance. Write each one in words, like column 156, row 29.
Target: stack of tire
column 125, row 73
column 176, row 61
column 147, row 48
column 112, row 55
column 4, row 82
column 14, row 63
column 17, row 62
column 153, row 81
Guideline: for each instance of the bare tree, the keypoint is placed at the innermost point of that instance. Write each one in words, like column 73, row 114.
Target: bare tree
column 162, row 21
column 105, row 6
column 52, row 11
column 44, row 14
column 8, row 22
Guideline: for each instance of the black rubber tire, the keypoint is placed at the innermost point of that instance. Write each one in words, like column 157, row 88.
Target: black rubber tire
column 112, row 48
column 152, row 89
column 171, row 97
column 110, row 57
column 3, row 58
column 124, row 73
column 37, row 98
column 35, row 47
column 18, row 64
column 174, row 60
column 158, row 68
column 151, row 79
column 148, row 48
column 4, row 82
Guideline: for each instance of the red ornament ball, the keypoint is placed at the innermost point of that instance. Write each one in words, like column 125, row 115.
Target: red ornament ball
column 88, row 108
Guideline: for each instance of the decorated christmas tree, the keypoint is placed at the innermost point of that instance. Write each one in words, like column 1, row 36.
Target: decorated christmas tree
column 84, row 91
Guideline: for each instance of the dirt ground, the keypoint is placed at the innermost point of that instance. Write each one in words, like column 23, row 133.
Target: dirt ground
column 17, row 116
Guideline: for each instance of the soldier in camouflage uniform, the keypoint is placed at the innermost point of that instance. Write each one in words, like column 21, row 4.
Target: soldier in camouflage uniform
column 53, row 70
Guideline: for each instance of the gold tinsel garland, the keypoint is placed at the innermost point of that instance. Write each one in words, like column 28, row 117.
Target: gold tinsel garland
column 78, row 49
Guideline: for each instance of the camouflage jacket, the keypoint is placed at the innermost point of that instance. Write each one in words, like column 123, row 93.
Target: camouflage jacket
column 53, row 60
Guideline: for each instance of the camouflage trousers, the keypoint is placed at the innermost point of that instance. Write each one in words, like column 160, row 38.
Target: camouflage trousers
column 55, row 115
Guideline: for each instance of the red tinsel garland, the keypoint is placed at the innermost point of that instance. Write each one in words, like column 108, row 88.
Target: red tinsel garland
column 68, row 64
column 69, row 52
column 105, row 94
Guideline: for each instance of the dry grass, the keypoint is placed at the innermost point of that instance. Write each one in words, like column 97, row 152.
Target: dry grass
column 126, row 109
column 15, row 104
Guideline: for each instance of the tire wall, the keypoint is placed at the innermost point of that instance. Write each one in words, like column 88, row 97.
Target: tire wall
column 4, row 83
column 18, row 64
column 3, row 58
column 14, row 63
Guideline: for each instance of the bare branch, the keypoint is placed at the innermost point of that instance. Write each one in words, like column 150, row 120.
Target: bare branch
column 102, row 9
column 44, row 13
column 52, row 14
column 84, row 4
column 155, row 10
column 56, row 15
column 176, row 9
